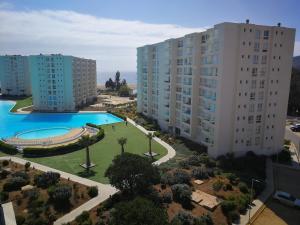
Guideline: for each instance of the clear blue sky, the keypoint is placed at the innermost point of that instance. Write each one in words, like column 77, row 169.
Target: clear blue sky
column 107, row 30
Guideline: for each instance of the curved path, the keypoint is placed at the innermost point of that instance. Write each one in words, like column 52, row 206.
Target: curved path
column 105, row 190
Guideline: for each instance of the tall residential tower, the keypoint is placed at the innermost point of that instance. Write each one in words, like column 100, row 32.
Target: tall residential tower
column 62, row 83
column 226, row 87
column 14, row 75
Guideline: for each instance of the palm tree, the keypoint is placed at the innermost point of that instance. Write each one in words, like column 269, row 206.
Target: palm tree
column 150, row 137
column 122, row 141
column 85, row 141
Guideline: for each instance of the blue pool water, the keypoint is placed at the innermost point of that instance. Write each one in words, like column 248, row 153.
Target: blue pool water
column 43, row 133
column 12, row 124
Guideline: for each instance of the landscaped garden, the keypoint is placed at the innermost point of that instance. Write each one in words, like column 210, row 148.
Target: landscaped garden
column 103, row 152
column 22, row 103
column 40, row 198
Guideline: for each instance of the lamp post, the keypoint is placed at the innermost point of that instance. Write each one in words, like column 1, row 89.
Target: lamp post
column 251, row 193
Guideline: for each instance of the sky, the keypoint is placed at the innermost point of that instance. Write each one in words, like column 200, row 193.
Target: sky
column 111, row 30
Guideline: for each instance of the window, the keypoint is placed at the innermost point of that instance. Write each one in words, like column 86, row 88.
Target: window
column 251, row 108
column 258, row 119
column 257, row 34
column 257, row 140
column 252, row 96
column 253, row 84
column 264, row 59
column 266, row 34
column 255, row 59
column 265, row 47
column 258, row 130
column 262, row 84
column 259, row 107
column 250, row 119
column 254, row 71
column 256, row 47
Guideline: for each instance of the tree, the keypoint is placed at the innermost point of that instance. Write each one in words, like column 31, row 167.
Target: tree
column 117, row 80
column 27, row 165
column 122, row 141
column 150, row 137
column 137, row 212
column 85, row 141
column 132, row 173
column 123, row 83
column 60, row 193
column 124, row 91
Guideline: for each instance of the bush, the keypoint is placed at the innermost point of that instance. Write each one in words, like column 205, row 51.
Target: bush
column 20, row 219
column 27, row 165
column 14, row 184
column 4, row 173
column 229, row 187
column 7, row 148
column 204, row 220
column 32, row 194
column 228, row 205
column 83, row 218
column 200, row 173
column 93, row 191
column 60, row 193
column 22, row 174
column 233, row 216
column 182, row 194
column 3, row 196
column 167, row 197
column 58, row 150
column 5, row 163
column 243, row 187
column 183, row 218
column 217, row 185
column 283, row 156
column 181, row 177
column 232, row 178
column 46, row 179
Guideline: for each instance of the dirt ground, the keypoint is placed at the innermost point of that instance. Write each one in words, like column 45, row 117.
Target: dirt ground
column 275, row 213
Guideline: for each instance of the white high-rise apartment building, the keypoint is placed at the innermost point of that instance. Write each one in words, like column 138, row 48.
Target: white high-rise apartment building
column 62, row 83
column 226, row 87
column 14, row 75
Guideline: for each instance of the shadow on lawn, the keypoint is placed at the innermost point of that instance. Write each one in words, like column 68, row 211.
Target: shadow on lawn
column 86, row 174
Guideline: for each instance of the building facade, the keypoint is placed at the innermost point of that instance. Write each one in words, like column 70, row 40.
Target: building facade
column 14, row 75
column 62, row 83
column 226, row 87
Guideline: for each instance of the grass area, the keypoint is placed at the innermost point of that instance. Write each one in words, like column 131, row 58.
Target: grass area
column 22, row 103
column 103, row 152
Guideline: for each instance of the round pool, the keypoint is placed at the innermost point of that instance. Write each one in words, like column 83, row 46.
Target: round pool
column 43, row 133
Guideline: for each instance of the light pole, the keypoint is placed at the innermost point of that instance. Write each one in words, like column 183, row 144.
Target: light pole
column 251, row 193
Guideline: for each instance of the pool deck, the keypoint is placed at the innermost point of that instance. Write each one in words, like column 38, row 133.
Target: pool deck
column 68, row 138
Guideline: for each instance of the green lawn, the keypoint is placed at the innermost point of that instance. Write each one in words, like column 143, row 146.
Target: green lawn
column 103, row 152
column 22, row 103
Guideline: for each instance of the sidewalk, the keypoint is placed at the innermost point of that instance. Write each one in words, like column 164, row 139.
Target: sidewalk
column 171, row 151
column 262, row 198
column 105, row 190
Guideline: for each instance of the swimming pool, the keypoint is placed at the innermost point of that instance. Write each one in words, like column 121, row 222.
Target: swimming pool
column 43, row 133
column 11, row 124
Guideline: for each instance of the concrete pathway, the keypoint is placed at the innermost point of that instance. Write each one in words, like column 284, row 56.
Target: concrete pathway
column 8, row 214
column 105, row 190
column 262, row 198
column 171, row 151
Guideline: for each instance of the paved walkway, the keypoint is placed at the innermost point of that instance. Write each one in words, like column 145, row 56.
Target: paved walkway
column 8, row 214
column 105, row 190
column 171, row 151
column 262, row 198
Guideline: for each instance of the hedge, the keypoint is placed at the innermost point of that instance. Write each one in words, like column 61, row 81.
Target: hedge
column 118, row 115
column 37, row 152
column 7, row 148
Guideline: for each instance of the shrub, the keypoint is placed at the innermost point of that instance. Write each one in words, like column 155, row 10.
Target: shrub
column 83, row 218
column 204, row 220
column 167, row 197
column 227, row 206
column 233, row 216
column 27, row 165
column 60, row 193
column 242, row 202
column 181, row 177
column 200, row 173
column 5, row 163
column 14, row 184
column 232, row 178
column 229, row 187
column 243, row 187
column 183, row 218
column 3, row 196
column 182, row 194
column 22, row 174
column 32, row 194
column 118, row 115
column 93, row 191
column 20, row 219
column 46, row 179
column 283, row 156
column 217, row 185
column 4, row 173
column 7, row 148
